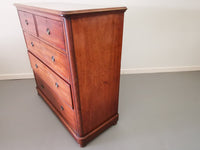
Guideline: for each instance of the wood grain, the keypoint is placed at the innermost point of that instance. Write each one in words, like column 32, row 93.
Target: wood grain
column 80, row 83
column 74, row 81
column 98, row 43
column 55, row 28
column 62, row 91
column 27, row 22
column 60, row 63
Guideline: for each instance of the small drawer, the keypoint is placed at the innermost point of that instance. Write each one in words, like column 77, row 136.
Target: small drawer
column 51, row 31
column 27, row 22
column 60, row 90
column 53, row 58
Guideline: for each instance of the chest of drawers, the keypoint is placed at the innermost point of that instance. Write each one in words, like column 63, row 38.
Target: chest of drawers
column 75, row 54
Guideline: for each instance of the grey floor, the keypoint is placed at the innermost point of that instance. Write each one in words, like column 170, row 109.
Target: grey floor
column 157, row 112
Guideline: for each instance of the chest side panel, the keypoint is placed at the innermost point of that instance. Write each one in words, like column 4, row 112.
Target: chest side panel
column 97, row 46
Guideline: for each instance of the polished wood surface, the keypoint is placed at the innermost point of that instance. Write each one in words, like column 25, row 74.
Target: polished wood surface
column 50, row 30
column 59, row 87
column 59, row 96
column 74, row 81
column 27, row 22
column 53, row 58
column 97, row 43
column 58, row 114
column 76, row 57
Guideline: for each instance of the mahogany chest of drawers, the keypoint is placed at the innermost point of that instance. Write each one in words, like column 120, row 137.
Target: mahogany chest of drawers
column 75, row 54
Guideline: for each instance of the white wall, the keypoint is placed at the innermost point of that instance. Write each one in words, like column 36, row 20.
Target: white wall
column 159, row 35
column 162, row 35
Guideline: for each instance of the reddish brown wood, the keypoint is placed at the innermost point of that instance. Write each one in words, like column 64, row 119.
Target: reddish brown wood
column 27, row 22
column 50, row 30
column 55, row 110
column 97, row 43
column 90, row 63
column 53, row 58
column 74, row 81
column 81, row 140
column 59, row 87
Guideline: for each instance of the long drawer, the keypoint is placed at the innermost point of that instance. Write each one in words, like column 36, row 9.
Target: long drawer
column 56, row 89
column 53, row 58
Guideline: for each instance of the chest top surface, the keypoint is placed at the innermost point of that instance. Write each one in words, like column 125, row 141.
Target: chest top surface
column 64, row 9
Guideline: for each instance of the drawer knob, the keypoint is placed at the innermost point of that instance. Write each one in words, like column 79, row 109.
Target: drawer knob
column 32, row 44
column 62, row 108
column 48, row 31
column 56, row 84
column 42, row 86
column 26, row 21
column 53, row 58
column 36, row 66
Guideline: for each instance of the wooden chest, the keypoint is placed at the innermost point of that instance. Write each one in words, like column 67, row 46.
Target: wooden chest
column 75, row 54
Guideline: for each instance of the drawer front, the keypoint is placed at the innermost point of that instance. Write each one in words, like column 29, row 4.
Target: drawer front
column 43, row 86
column 60, row 106
column 60, row 89
column 27, row 22
column 51, row 31
column 64, row 110
column 53, row 58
